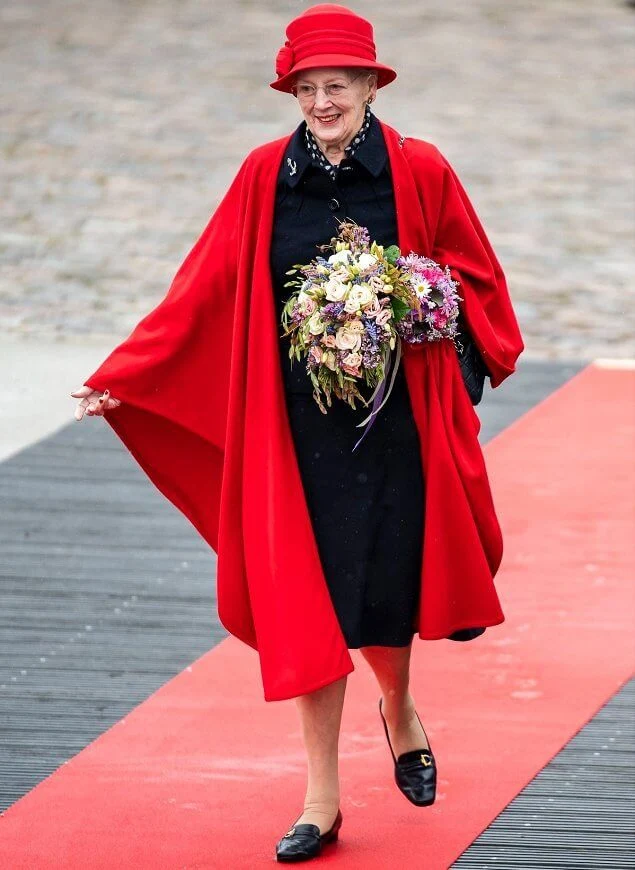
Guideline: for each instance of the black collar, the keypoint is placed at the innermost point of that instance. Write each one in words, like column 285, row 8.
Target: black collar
column 371, row 154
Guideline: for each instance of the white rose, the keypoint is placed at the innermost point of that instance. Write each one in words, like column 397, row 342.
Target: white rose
column 366, row 295
column 353, row 359
column 345, row 339
column 316, row 324
column 376, row 284
column 355, row 326
column 359, row 296
column 342, row 274
column 329, row 359
column 365, row 261
column 336, row 290
column 341, row 258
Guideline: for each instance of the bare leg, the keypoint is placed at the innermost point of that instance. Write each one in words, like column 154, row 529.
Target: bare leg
column 321, row 716
column 391, row 665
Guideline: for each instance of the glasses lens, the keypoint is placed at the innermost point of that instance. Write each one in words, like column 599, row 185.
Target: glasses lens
column 304, row 92
column 308, row 92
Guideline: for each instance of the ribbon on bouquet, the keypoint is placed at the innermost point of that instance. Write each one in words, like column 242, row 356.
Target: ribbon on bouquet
column 378, row 398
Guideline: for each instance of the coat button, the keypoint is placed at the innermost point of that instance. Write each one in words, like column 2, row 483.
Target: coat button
column 334, row 205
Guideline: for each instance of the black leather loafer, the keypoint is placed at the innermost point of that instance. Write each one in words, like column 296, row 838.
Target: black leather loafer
column 304, row 841
column 415, row 771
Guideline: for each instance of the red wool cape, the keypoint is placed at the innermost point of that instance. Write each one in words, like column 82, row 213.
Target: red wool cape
column 203, row 412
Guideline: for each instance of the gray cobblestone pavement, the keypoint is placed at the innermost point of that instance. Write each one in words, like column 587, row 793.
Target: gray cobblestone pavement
column 125, row 122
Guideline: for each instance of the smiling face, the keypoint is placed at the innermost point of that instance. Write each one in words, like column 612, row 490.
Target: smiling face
column 335, row 111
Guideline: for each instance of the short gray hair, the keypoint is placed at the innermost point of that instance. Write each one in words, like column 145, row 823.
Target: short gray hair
column 367, row 71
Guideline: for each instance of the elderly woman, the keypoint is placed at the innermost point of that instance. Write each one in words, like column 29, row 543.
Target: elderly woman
column 322, row 549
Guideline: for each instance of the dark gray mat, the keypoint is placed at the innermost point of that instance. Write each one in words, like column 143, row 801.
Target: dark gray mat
column 579, row 811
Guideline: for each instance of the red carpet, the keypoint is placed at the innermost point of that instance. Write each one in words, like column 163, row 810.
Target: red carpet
column 205, row 774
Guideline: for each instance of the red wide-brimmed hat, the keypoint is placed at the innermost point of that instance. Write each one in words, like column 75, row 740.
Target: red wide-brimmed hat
column 328, row 35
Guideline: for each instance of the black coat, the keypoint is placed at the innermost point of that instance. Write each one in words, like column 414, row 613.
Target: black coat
column 366, row 507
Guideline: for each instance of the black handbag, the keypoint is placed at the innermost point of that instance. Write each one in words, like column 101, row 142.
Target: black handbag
column 473, row 368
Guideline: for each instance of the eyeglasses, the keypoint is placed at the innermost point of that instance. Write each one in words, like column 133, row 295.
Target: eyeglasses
column 305, row 92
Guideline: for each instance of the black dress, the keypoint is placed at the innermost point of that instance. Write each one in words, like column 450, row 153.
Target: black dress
column 366, row 507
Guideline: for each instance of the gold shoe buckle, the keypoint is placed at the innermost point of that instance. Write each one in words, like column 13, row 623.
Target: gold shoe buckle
column 426, row 760
column 289, row 833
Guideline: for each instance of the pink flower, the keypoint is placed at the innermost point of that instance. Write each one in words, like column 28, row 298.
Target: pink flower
column 329, row 341
column 383, row 316
column 316, row 353
column 307, row 306
column 374, row 308
column 439, row 318
column 351, row 371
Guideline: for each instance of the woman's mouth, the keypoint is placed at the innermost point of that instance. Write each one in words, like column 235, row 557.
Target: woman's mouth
column 328, row 119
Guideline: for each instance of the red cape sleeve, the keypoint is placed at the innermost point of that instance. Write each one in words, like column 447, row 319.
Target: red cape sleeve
column 461, row 243
column 172, row 372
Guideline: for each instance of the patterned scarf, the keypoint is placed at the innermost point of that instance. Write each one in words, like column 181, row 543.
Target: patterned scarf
column 318, row 158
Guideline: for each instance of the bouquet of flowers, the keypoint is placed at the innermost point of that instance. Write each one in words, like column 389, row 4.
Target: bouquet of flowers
column 352, row 308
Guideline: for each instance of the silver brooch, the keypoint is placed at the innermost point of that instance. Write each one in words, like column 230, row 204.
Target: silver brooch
column 293, row 166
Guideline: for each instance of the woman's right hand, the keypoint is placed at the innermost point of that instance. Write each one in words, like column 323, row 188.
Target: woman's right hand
column 93, row 402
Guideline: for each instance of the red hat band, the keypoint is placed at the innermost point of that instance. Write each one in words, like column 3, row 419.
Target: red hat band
column 332, row 42
column 328, row 35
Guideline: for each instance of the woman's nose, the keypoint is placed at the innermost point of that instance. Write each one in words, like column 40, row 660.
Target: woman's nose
column 321, row 99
